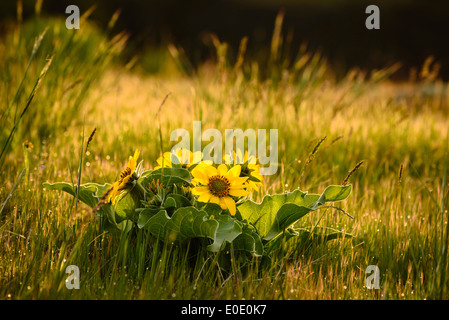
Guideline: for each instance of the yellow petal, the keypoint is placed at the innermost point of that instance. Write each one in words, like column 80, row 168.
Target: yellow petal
column 238, row 192
column 239, row 181
column 223, row 203
column 196, row 157
column 135, row 157
column 198, row 181
column 200, row 190
column 185, row 156
column 136, row 154
column 113, row 191
column 252, row 160
column 178, row 152
column 239, row 157
column 132, row 163
column 204, row 197
column 124, row 182
column 207, row 162
column 215, row 199
column 230, row 204
column 167, row 159
column 257, row 176
column 200, row 175
column 253, row 185
column 234, row 172
column 210, row 171
column 222, row 169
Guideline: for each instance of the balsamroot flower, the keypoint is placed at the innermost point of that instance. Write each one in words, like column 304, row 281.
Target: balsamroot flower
column 128, row 179
column 249, row 168
column 219, row 185
column 179, row 158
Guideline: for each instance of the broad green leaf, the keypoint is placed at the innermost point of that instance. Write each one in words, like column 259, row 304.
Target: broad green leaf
column 262, row 215
column 210, row 208
column 228, row 229
column 335, row 193
column 278, row 212
column 288, row 214
column 170, row 176
column 145, row 174
column 112, row 226
column 305, row 237
column 176, row 201
column 125, row 226
column 89, row 193
column 249, row 241
column 189, row 222
column 126, row 207
column 146, row 214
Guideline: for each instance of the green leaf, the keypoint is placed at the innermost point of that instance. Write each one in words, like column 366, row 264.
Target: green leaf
column 228, row 229
column 89, row 193
column 263, row 215
column 145, row 215
column 170, row 176
column 249, row 241
column 305, row 238
column 111, row 225
column 335, row 193
column 210, row 208
column 278, row 212
column 288, row 214
column 174, row 200
column 189, row 222
column 126, row 207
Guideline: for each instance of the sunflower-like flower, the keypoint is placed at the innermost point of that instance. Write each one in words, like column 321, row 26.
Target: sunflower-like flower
column 184, row 159
column 27, row 145
column 218, row 185
column 127, row 180
column 249, row 168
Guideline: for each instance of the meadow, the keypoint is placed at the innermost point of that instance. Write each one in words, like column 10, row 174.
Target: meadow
column 58, row 85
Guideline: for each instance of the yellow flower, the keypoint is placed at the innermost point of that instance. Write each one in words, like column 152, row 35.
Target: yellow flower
column 184, row 160
column 249, row 169
column 28, row 145
column 127, row 177
column 218, row 185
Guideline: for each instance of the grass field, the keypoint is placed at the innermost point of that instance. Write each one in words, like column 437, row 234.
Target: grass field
column 399, row 201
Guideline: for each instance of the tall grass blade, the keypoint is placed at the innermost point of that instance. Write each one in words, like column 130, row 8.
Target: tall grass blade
column 30, row 99
column 12, row 191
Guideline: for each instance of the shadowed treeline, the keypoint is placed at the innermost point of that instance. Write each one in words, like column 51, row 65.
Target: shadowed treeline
column 410, row 30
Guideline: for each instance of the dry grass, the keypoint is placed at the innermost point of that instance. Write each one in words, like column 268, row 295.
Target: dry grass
column 400, row 227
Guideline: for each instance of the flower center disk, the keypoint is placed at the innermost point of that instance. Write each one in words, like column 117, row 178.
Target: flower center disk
column 125, row 173
column 219, row 186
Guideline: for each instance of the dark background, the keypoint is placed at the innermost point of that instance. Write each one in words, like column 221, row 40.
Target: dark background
column 410, row 30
